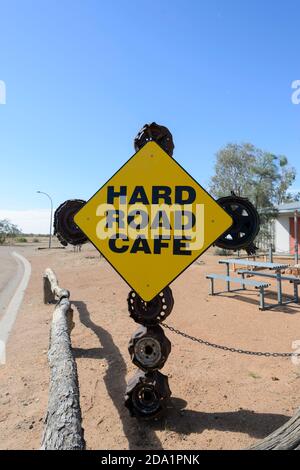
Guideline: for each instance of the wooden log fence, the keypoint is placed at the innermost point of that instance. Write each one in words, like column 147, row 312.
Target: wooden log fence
column 63, row 430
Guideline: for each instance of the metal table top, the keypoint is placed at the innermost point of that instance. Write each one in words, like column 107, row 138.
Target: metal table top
column 257, row 264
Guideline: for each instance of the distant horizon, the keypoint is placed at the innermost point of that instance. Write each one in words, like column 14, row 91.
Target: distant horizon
column 37, row 221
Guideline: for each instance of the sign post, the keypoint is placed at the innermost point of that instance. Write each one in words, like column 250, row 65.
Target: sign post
column 151, row 221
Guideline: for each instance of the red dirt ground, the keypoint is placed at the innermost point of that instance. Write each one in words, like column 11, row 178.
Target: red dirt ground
column 219, row 400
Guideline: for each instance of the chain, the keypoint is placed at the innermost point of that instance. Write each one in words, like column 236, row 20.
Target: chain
column 226, row 348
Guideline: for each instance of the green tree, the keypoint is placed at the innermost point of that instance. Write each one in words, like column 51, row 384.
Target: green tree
column 7, row 230
column 233, row 165
column 250, row 172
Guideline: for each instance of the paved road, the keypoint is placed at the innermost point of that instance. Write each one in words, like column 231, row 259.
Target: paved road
column 11, row 273
column 15, row 272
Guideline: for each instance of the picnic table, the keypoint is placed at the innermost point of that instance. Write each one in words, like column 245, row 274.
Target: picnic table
column 255, row 264
column 276, row 267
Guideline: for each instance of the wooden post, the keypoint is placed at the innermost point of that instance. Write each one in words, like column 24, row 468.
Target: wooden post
column 52, row 290
column 63, row 429
column 49, row 296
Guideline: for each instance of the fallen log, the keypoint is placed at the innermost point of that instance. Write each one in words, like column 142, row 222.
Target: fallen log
column 63, row 430
column 287, row 437
column 52, row 291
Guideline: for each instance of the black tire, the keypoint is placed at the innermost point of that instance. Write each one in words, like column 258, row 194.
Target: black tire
column 246, row 223
column 156, row 133
column 147, row 394
column 64, row 226
column 152, row 312
column 149, row 348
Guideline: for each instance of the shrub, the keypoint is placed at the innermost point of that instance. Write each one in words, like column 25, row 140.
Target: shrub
column 7, row 230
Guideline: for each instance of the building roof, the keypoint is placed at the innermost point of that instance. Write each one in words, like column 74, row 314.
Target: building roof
column 289, row 207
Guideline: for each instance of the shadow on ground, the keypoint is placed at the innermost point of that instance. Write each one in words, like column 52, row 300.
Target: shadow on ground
column 142, row 434
column 185, row 421
column 139, row 435
column 290, row 309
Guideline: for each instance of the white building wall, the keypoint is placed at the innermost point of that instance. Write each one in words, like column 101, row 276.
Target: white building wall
column 282, row 233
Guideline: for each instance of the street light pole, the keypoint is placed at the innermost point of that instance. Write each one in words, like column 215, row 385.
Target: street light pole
column 50, row 230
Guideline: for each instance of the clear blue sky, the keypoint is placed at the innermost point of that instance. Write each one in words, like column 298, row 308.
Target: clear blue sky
column 82, row 77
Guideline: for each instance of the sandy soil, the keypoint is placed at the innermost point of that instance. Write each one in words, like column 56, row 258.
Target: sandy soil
column 220, row 400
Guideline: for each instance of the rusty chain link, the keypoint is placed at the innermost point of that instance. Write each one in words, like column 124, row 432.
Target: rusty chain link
column 226, row 348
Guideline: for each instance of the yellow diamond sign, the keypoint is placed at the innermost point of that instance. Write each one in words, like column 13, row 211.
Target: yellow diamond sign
column 151, row 220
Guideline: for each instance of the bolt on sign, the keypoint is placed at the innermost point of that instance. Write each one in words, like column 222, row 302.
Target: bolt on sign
column 151, row 220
